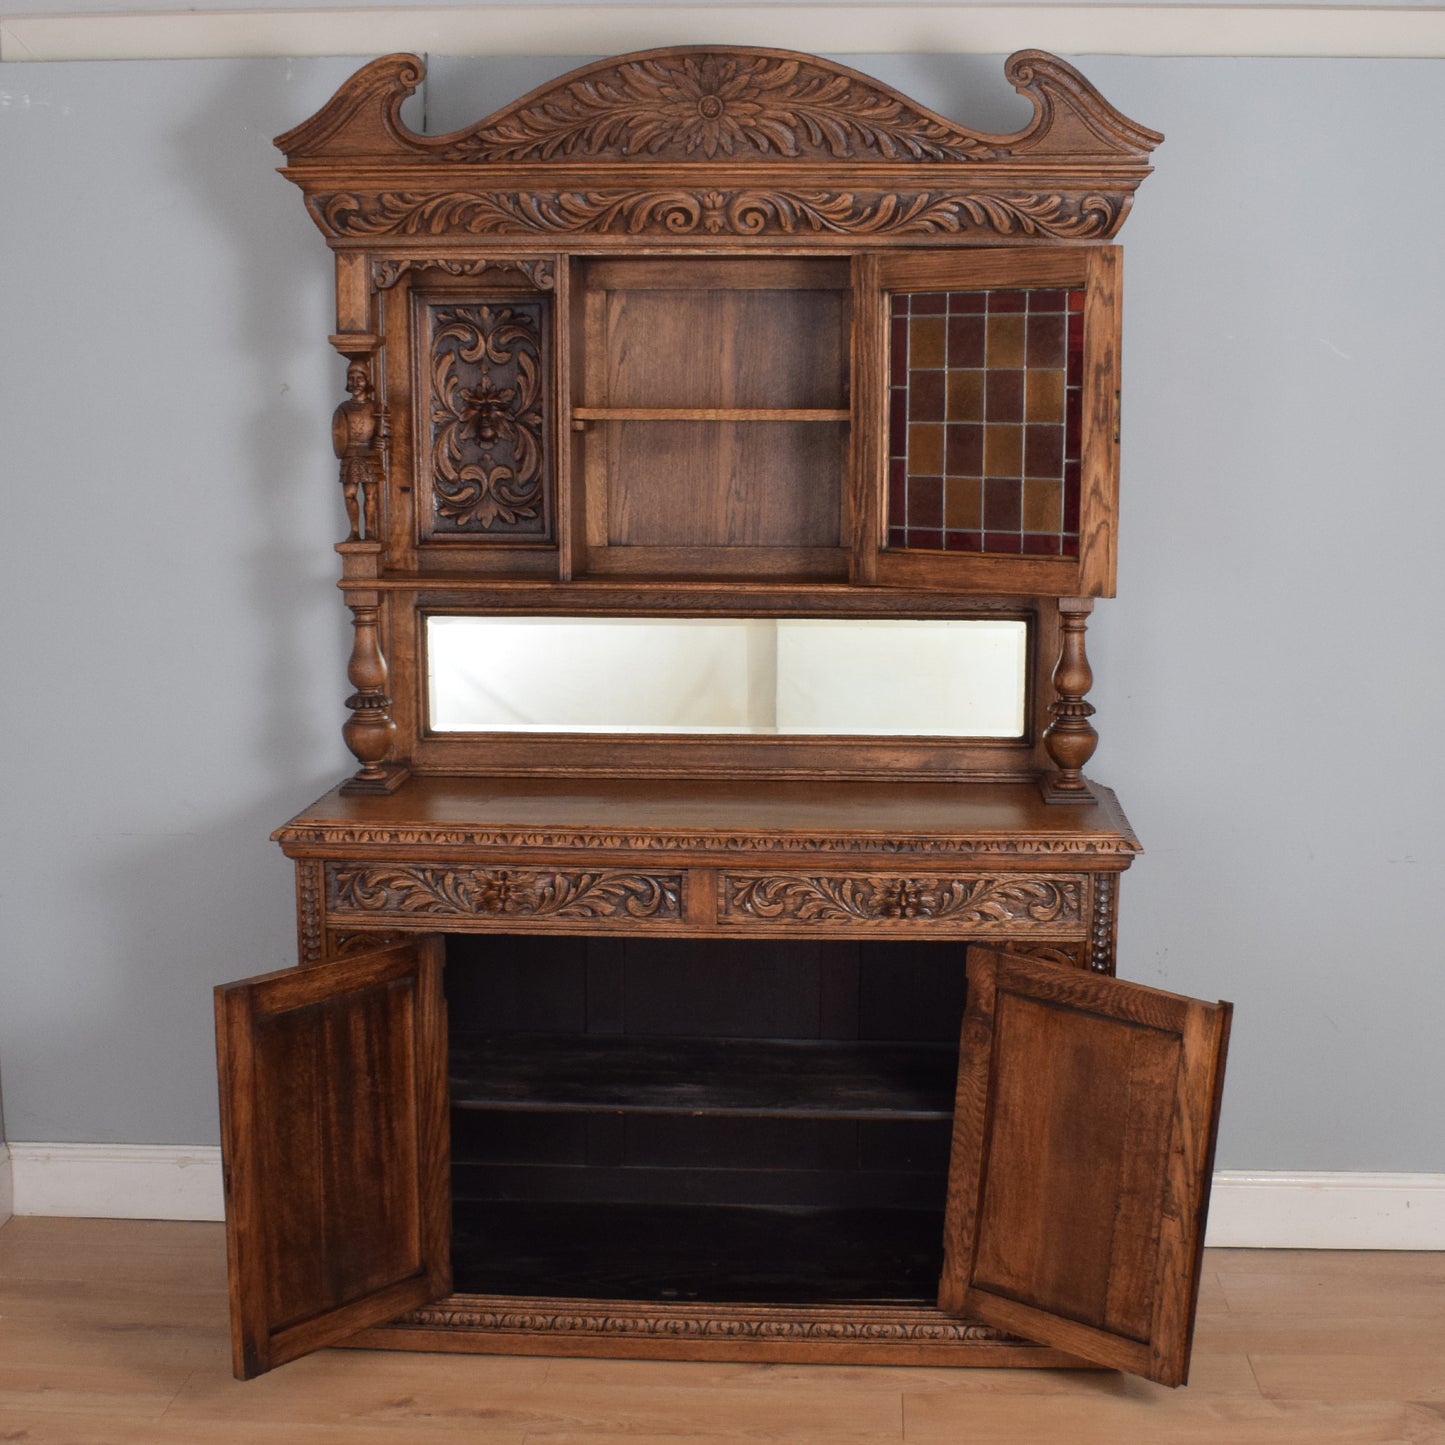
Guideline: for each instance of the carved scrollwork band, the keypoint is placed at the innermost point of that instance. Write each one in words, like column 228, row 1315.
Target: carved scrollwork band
column 981, row 903
column 343, row 945
column 460, row 892
column 539, row 272
column 1053, row 215
column 1068, row 955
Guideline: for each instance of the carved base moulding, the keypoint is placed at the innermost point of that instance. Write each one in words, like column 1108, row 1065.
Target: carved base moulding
column 860, row 1335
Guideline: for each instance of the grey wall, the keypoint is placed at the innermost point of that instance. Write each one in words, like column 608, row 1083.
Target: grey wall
column 174, row 649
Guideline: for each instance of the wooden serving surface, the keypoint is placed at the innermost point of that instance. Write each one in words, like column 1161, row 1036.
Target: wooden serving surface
column 709, row 816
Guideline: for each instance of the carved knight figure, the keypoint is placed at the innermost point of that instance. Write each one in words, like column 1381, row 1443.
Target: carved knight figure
column 358, row 437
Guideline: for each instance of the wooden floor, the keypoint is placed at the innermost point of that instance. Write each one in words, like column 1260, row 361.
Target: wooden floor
column 114, row 1333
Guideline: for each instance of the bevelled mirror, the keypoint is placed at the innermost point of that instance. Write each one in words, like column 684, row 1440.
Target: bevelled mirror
column 951, row 677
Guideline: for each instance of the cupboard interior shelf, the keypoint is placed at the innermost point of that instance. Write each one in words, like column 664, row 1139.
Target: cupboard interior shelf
column 711, row 413
column 792, row 1255
column 761, row 1078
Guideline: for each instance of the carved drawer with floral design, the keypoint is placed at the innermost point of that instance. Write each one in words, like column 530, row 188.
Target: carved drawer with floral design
column 943, row 904
column 461, row 898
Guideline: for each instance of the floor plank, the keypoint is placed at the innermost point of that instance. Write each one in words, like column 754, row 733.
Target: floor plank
column 114, row 1332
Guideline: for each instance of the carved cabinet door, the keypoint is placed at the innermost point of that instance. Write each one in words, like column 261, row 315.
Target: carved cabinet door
column 335, row 1149
column 998, row 446
column 1082, row 1151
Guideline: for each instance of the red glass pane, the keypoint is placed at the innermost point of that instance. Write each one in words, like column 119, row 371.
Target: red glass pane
column 925, row 502
column 1002, row 503
column 925, row 396
column 898, row 366
column 963, row 451
column 965, row 340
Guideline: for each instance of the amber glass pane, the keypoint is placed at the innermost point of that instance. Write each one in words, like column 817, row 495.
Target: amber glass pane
column 985, row 421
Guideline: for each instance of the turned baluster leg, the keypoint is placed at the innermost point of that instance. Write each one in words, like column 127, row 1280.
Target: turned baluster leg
column 370, row 731
column 1070, row 738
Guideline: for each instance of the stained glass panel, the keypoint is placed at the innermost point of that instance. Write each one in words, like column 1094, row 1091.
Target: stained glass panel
column 985, row 421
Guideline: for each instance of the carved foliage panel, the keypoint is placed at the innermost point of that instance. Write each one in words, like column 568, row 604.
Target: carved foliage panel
column 485, row 464
column 444, row 891
column 1007, row 903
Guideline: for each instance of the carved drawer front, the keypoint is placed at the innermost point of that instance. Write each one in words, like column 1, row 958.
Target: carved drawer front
column 467, row 898
column 962, row 905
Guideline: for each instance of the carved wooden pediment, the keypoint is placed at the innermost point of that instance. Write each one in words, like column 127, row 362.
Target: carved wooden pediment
column 710, row 142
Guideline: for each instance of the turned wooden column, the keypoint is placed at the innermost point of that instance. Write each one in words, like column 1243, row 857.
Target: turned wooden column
column 370, row 731
column 1071, row 738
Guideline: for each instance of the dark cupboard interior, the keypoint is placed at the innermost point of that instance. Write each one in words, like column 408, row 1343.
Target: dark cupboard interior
column 677, row 1119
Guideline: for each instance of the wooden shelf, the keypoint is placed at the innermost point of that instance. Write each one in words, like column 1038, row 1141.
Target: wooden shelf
column 760, row 1078
column 710, row 413
column 697, row 1252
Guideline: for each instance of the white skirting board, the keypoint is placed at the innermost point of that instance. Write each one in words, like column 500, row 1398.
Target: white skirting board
column 1249, row 1209
column 117, row 1181
column 6, row 1205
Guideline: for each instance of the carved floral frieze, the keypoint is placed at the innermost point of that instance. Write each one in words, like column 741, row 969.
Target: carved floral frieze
column 976, row 902
column 1054, row 215
column 460, row 892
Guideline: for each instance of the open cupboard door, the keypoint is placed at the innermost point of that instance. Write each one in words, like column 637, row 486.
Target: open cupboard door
column 335, row 1148
column 1083, row 1146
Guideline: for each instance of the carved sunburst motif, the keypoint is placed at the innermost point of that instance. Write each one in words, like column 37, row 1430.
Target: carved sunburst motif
column 722, row 103
column 486, row 417
column 714, row 105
